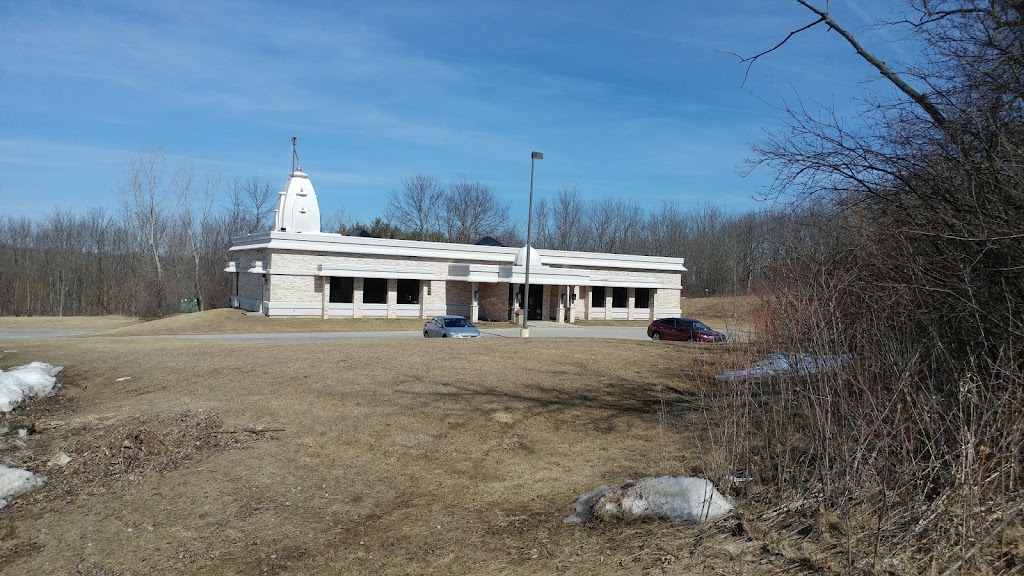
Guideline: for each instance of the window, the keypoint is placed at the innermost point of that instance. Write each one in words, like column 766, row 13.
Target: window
column 341, row 290
column 375, row 291
column 597, row 296
column 642, row 298
column 620, row 297
column 408, row 291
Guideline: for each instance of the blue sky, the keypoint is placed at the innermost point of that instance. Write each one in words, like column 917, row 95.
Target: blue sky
column 628, row 99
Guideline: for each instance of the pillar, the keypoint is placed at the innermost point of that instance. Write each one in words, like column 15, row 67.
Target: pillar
column 573, row 296
column 563, row 298
column 630, row 302
column 653, row 299
column 392, row 298
column 474, row 302
column 607, row 303
column 516, row 301
column 357, row 297
column 424, row 292
column 325, row 289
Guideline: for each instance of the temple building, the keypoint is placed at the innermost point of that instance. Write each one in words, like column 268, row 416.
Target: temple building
column 295, row 270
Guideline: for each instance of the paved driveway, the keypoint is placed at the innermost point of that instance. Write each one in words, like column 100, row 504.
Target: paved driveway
column 539, row 330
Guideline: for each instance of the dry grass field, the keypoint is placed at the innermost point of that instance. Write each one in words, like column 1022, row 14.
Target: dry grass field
column 360, row 457
column 228, row 321
column 94, row 323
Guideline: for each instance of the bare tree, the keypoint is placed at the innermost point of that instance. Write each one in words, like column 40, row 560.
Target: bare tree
column 567, row 212
column 418, row 206
column 472, row 210
column 148, row 203
column 903, row 254
column 196, row 216
column 338, row 222
column 262, row 196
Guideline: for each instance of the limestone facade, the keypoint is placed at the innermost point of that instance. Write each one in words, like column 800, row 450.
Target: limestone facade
column 292, row 274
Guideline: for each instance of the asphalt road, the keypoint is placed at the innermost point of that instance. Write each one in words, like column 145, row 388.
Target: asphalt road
column 541, row 330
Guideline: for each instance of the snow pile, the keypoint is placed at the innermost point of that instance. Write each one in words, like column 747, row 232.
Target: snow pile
column 35, row 379
column 679, row 499
column 15, row 482
column 798, row 364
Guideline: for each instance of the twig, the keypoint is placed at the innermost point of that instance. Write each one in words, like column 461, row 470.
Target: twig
column 250, row 430
column 1016, row 509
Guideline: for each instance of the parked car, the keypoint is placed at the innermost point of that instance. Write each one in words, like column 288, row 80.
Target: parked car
column 686, row 329
column 450, row 327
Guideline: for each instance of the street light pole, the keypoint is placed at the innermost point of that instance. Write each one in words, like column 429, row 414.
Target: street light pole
column 525, row 331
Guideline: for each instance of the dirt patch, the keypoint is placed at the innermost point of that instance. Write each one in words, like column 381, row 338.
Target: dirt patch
column 82, row 456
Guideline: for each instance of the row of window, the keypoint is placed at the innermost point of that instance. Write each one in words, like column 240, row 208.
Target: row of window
column 375, row 291
column 620, row 297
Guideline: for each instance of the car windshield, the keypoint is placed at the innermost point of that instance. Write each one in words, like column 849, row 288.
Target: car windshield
column 456, row 323
column 699, row 326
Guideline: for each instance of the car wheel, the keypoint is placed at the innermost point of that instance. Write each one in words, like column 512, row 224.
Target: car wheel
column 444, row 335
column 656, row 336
column 425, row 334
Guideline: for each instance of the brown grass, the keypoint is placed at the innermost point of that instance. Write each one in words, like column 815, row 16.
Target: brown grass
column 229, row 321
column 397, row 457
column 94, row 323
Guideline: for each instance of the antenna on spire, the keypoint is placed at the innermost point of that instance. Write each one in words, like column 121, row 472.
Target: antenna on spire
column 296, row 165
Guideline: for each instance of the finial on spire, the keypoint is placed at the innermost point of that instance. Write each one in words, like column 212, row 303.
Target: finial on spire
column 296, row 165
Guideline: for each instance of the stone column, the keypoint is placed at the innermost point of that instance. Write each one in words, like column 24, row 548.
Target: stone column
column 630, row 302
column 653, row 299
column 325, row 288
column 392, row 297
column 573, row 291
column 474, row 302
column 357, row 297
column 516, row 301
column 563, row 297
column 424, row 290
column 588, row 294
column 607, row 302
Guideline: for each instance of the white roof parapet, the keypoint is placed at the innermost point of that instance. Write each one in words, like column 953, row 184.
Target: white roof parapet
column 339, row 244
column 628, row 282
column 491, row 273
column 372, row 271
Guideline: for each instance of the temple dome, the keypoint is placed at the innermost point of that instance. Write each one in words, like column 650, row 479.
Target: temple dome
column 521, row 257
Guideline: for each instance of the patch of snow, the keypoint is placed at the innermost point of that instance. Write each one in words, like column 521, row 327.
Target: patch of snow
column 35, row 379
column 796, row 364
column 676, row 498
column 14, row 482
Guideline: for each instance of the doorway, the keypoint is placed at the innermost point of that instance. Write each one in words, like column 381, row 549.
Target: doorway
column 535, row 307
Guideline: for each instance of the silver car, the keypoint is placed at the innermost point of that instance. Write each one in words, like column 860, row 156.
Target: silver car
column 450, row 327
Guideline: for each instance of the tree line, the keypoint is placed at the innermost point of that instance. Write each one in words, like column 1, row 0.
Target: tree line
column 168, row 238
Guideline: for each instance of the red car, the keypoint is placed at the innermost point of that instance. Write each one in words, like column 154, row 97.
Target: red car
column 686, row 329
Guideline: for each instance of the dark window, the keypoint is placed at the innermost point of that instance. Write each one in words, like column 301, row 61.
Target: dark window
column 408, row 291
column 642, row 298
column 375, row 291
column 341, row 290
column 597, row 296
column 620, row 297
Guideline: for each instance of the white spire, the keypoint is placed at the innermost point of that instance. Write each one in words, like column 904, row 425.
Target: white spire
column 297, row 207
